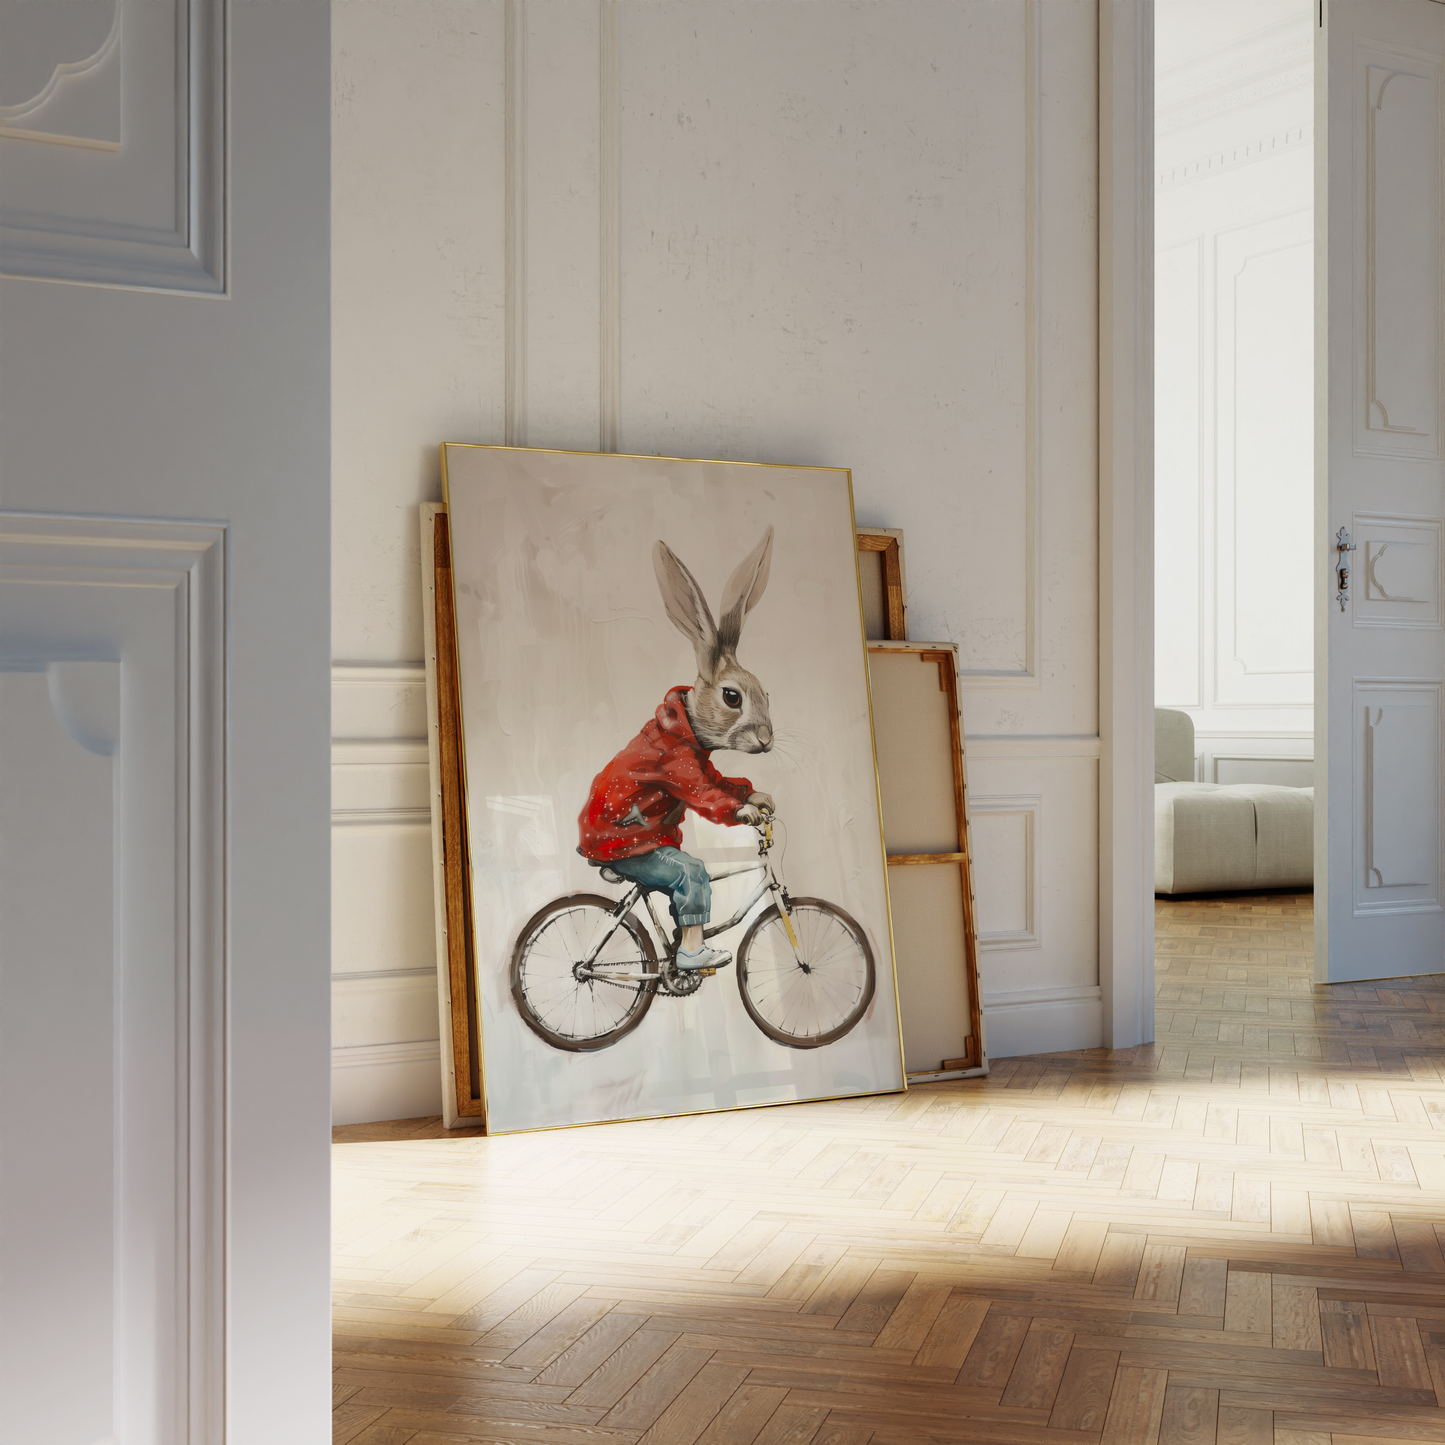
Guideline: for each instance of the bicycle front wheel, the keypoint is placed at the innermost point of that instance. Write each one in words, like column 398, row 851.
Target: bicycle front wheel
column 582, row 1014
column 814, row 995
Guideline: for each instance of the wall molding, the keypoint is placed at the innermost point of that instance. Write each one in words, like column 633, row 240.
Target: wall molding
column 385, row 979
column 1247, row 153
column 363, row 752
column 1272, row 60
column 1030, row 807
column 381, row 792
column 609, row 320
column 188, row 256
column 1044, row 1020
column 994, row 748
column 1029, row 675
column 370, row 673
column 1033, row 339
column 381, row 817
column 514, row 86
column 377, row 705
column 1038, row 997
column 372, row 1056
column 1240, row 755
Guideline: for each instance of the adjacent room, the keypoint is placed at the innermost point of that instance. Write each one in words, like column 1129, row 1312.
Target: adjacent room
column 1234, row 310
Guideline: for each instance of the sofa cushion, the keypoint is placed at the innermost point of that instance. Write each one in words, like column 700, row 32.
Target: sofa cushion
column 1284, row 830
column 1203, row 838
column 1217, row 838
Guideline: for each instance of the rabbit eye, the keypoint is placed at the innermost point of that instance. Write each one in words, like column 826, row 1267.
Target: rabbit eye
column 732, row 697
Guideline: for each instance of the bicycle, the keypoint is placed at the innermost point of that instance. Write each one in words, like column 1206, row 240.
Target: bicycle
column 585, row 970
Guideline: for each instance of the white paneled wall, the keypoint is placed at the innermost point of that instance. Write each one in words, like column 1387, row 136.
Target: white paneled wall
column 384, row 1029
column 855, row 234
column 1234, row 378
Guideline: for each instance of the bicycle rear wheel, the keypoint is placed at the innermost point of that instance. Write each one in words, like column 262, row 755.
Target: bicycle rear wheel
column 582, row 1014
column 810, row 997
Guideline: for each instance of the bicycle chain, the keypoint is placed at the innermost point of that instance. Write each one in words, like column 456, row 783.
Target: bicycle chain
column 662, row 992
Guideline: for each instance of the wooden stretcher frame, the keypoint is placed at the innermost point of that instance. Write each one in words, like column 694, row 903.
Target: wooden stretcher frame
column 889, row 542
column 464, row 1101
column 945, row 657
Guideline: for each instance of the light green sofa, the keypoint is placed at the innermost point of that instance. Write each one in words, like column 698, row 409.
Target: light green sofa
column 1223, row 838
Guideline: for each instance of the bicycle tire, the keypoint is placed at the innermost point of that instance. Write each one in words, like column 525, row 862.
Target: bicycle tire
column 768, row 925
column 547, row 923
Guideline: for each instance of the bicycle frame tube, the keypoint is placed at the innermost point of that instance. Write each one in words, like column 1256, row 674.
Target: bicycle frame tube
column 628, row 903
column 766, row 883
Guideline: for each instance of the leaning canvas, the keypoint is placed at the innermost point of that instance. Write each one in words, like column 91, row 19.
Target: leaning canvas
column 677, row 869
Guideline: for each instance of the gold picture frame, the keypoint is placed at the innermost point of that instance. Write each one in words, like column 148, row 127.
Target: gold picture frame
column 466, row 1054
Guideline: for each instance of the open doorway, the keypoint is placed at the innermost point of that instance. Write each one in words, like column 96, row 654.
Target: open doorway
column 1234, row 398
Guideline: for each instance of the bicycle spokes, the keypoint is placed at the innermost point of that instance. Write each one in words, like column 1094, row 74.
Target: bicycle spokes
column 807, row 984
column 582, row 977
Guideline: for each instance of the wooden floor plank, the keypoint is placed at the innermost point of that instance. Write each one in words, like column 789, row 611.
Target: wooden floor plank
column 1135, row 1407
column 1191, row 1416
column 1231, row 1236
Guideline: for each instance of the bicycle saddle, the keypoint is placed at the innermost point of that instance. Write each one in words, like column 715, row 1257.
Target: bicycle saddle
column 607, row 875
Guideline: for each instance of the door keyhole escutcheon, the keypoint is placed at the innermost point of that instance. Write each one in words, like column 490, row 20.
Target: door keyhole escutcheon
column 1343, row 547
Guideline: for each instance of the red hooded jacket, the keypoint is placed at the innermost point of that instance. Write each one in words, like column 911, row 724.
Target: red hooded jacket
column 638, row 799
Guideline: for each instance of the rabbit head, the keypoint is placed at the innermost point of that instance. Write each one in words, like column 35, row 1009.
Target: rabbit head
column 727, row 707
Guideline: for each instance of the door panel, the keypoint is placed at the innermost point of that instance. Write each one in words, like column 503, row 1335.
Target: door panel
column 1380, row 638
column 164, row 517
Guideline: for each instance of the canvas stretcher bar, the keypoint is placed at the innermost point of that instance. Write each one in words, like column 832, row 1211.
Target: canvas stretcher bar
column 463, row 1096
column 883, row 583
column 923, row 783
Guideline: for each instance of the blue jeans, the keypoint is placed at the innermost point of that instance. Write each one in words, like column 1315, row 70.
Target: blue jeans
column 680, row 874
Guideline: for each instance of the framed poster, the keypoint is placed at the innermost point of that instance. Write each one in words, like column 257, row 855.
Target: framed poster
column 678, row 893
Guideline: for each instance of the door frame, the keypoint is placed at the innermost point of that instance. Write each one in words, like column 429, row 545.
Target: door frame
column 1126, row 520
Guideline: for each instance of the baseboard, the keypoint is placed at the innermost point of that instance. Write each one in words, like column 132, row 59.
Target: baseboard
column 1044, row 1021
column 374, row 1082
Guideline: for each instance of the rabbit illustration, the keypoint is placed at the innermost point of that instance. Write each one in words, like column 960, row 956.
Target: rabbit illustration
column 633, row 815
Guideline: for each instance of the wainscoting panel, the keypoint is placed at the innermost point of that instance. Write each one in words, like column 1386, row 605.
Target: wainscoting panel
column 1284, row 758
column 1264, row 563
column 1243, row 767
column 385, row 1030
column 1005, row 833
column 1033, row 811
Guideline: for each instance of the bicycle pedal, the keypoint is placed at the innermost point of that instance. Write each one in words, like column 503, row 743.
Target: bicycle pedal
column 707, row 972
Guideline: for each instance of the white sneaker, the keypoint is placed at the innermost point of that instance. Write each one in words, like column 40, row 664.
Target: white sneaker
column 705, row 957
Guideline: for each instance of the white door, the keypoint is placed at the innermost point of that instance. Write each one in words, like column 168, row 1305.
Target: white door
column 164, row 721
column 1380, row 78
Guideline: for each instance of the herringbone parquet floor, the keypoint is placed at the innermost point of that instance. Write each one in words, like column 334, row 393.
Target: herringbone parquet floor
column 1230, row 1237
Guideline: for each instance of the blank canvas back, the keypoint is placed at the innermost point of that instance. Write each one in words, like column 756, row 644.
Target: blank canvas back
column 914, row 716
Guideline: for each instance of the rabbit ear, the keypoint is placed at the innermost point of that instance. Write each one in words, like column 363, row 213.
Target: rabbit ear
column 686, row 605
column 744, row 589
